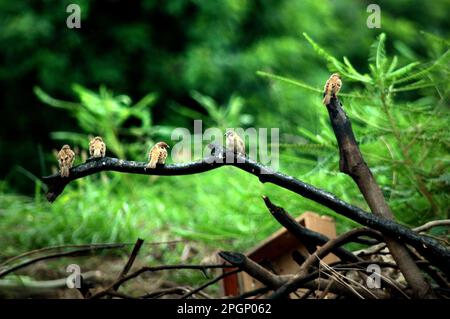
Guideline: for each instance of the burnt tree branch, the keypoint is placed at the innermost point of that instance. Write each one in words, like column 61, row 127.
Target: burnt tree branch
column 303, row 234
column 352, row 163
column 427, row 246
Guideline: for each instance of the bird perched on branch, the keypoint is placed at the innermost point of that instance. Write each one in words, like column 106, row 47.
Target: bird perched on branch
column 65, row 158
column 97, row 148
column 235, row 143
column 332, row 87
column 157, row 154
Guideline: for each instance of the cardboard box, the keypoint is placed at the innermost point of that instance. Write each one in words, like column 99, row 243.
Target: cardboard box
column 278, row 252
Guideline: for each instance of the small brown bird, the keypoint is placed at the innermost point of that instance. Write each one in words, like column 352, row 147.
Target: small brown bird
column 97, row 148
column 65, row 158
column 235, row 143
column 157, row 154
column 332, row 88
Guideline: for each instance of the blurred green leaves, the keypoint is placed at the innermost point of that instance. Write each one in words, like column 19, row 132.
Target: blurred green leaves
column 400, row 139
column 201, row 57
column 228, row 116
column 104, row 114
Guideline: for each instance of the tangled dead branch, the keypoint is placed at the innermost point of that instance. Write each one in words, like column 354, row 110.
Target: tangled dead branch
column 312, row 281
column 429, row 247
column 410, row 250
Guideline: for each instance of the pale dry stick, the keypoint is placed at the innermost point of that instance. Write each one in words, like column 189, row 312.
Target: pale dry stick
column 386, row 279
column 327, row 289
column 46, row 285
column 432, row 224
column 341, row 278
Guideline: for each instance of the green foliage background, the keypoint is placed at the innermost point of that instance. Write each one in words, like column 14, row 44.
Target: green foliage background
column 137, row 69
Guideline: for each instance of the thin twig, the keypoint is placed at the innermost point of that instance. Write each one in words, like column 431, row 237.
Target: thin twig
column 166, row 291
column 129, row 263
column 154, row 269
column 332, row 244
column 432, row 224
column 210, row 282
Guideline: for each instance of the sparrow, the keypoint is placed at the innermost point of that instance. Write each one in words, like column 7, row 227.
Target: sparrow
column 97, row 148
column 235, row 143
column 157, row 154
column 65, row 158
column 332, row 88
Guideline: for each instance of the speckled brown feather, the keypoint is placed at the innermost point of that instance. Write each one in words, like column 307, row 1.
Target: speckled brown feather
column 157, row 155
column 331, row 88
column 234, row 142
column 97, row 148
column 66, row 158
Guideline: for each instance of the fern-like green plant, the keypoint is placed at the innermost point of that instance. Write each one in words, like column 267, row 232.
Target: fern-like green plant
column 404, row 138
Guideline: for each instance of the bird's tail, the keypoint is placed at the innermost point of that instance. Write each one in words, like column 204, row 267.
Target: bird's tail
column 97, row 152
column 64, row 171
column 153, row 160
column 326, row 99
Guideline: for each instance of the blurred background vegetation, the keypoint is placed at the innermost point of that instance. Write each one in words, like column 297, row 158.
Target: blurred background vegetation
column 137, row 69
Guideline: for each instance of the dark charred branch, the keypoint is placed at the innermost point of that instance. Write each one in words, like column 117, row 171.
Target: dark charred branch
column 429, row 248
column 352, row 163
column 253, row 269
column 303, row 234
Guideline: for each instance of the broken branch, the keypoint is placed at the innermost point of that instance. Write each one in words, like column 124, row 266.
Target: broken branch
column 430, row 248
